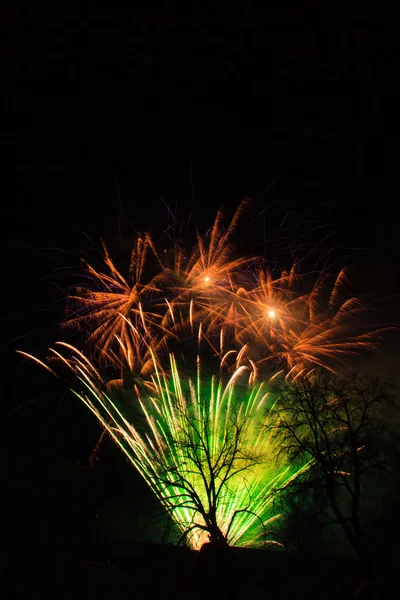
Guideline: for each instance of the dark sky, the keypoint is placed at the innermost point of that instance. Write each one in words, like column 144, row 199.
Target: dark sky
column 236, row 98
column 285, row 105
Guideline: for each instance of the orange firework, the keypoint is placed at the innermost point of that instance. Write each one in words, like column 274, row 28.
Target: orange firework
column 135, row 360
column 210, row 294
column 212, row 264
column 269, row 305
column 301, row 330
column 113, row 304
column 205, row 284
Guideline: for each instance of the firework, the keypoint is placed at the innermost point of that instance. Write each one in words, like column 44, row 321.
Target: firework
column 287, row 321
column 212, row 262
column 203, row 450
column 110, row 309
column 205, row 282
column 299, row 330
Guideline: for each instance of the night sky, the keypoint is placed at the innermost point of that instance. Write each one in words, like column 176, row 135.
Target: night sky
column 112, row 115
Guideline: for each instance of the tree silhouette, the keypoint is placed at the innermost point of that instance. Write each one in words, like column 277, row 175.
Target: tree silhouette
column 208, row 461
column 341, row 424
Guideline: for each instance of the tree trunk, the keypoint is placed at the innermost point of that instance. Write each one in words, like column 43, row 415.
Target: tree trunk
column 349, row 532
column 216, row 573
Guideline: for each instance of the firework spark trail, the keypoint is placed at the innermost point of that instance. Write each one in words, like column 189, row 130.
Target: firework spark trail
column 299, row 330
column 102, row 309
column 204, row 448
column 287, row 320
column 209, row 275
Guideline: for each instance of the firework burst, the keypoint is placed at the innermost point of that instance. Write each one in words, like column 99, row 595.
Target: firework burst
column 285, row 320
column 205, row 282
column 203, row 451
column 112, row 310
column 302, row 330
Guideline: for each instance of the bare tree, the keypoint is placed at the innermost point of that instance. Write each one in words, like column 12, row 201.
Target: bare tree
column 199, row 465
column 339, row 423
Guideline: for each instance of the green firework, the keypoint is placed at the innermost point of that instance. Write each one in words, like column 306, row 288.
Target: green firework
column 202, row 448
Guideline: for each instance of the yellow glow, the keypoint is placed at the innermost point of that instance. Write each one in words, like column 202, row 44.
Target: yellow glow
column 206, row 278
column 271, row 314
